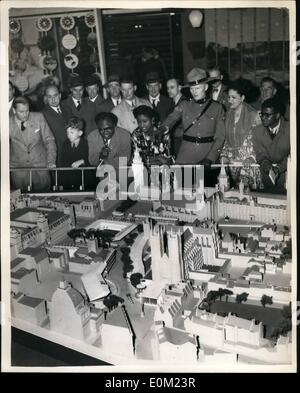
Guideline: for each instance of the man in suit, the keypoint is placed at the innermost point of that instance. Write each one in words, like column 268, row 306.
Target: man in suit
column 219, row 91
column 271, row 142
column 93, row 87
column 56, row 116
column 124, row 111
column 161, row 104
column 113, row 88
column 268, row 89
column 203, row 137
column 108, row 142
column 78, row 105
column 32, row 144
column 174, row 90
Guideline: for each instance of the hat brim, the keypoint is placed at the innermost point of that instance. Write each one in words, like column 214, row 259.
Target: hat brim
column 200, row 82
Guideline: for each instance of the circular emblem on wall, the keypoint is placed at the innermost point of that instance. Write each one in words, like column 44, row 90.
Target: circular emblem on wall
column 22, row 83
column 67, row 22
column 14, row 26
column 71, row 61
column 44, row 23
column 69, row 41
column 90, row 20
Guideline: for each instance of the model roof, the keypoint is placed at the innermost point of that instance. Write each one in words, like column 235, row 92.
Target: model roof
column 30, row 301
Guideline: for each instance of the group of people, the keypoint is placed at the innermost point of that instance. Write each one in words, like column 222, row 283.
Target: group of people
column 214, row 124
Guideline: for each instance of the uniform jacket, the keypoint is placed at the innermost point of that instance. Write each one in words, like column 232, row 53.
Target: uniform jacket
column 86, row 112
column 120, row 145
column 178, row 131
column 275, row 150
column 211, row 124
column 33, row 147
column 164, row 107
column 57, row 123
column 124, row 112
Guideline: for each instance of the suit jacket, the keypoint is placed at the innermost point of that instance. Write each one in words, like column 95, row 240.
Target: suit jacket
column 124, row 112
column 275, row 150
column 33, row 147
column 120, row 145
column 106, row 105
column 86, row 112
column 164, row 106
column 211, row 124
column 223, row 96
column 57, row 123
column 94, row 108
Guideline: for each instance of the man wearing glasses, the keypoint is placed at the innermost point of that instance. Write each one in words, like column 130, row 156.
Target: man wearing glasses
column 271, row 142
column 108, row 142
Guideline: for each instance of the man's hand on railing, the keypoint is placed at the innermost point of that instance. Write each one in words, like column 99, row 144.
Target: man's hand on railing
column 51, row 166
column 77, row 164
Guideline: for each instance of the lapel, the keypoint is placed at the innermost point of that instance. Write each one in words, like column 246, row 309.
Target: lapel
column 114, row 143
column 15, row 131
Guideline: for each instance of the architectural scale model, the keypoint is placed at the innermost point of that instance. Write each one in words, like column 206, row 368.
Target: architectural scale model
column 207, row 281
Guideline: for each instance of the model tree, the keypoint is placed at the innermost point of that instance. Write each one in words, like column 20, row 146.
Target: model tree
column 266, row 300
column 73, row 234
column 242, row 297
column 135, row 279
column 212, row 296
column 227, row 292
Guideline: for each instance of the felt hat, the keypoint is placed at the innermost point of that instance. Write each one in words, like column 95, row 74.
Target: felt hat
column 197, row 76
column 92, row 80
column 112, row 78
column 153, row 77
column 75, row 81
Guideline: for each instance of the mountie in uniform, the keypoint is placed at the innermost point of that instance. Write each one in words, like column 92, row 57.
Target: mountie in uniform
column 203, row 123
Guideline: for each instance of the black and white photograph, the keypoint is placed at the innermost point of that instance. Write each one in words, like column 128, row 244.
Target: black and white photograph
column 148, row 186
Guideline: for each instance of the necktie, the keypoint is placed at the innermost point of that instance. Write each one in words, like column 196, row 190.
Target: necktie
column 272, row 134
column 78, row 106
column 59, row 111
column 154, row 103
column 23, row 128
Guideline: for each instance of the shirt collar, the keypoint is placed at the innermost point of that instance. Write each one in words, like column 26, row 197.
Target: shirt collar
column 93, row 99
column 131, row 103
column 154, row 99
column 76, row 101
column 177, row 98
column 116, row 101
column 55, row 108
column 275, row 130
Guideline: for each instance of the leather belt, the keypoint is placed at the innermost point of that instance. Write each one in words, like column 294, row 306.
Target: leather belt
column 194, row 139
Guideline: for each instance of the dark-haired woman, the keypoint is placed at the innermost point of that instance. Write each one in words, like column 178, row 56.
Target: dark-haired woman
column 240, row 120
column 153, row 146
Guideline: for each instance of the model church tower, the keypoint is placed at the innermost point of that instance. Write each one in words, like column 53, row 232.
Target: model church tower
column 223, row 180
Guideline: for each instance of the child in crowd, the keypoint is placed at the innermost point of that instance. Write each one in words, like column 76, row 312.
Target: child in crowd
column 74, row 154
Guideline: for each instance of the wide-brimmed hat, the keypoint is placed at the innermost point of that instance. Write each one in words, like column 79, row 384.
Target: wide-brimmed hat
column 152, row 77
column 112, row 78
column 75, row 81
column 197, row 76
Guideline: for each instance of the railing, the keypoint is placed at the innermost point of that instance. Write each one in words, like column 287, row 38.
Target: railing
column 90, row 168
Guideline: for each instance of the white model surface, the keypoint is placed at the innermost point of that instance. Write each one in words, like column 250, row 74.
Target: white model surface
column 63, row 281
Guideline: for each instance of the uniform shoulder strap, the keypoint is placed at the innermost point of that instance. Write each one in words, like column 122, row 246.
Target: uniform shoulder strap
column 198, row 116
